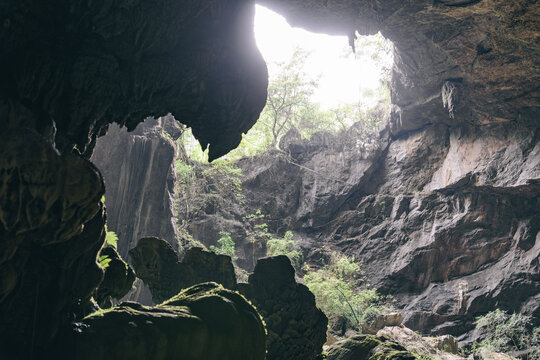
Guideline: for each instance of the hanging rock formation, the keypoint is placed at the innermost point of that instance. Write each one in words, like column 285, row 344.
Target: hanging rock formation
column 69, row 68
column 472, row 62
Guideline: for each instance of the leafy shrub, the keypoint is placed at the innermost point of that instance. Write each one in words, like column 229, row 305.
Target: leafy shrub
column 285, row 246
column 225, row 179
column 183, row 171
column 506, row 333
column 341, row 291
column 226, row 247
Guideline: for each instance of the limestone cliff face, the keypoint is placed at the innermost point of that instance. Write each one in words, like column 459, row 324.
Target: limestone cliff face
column 445, row 219
column 138, row 171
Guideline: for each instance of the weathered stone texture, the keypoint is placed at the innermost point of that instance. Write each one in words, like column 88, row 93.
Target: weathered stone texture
column 444, row 219
column 202, row 322
column 368, row 347
column 455, row 62
column 296, row 327
column 50, row 234
column 156, row 263
column 139, row 172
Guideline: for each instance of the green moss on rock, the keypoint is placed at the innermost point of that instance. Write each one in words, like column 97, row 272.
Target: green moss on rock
column 368, row 347
column 202, row 322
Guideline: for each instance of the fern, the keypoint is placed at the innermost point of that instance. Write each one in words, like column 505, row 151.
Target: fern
column 111, row 238
column 104, row 261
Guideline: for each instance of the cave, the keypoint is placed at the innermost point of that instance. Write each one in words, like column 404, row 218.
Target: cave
column 449, row 205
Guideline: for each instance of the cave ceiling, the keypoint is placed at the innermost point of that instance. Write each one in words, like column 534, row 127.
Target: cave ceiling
column 455, row 61
column 72, row 67
column 77, row 66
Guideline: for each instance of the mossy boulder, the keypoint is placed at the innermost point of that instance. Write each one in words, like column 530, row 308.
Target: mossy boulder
column 156, row 263
column 118, row 278
column 202, row 322
column 368, row 347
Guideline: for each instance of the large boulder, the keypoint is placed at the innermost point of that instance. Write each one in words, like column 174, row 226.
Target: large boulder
column 368, row 347
column 157, row 264
column 443, row 347
column 203, row 322
column 296, row 327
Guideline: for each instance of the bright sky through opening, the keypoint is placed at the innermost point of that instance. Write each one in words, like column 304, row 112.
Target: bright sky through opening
column 342, row 78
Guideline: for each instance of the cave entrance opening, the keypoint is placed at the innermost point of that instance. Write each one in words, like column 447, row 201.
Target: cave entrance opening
column 316, row 83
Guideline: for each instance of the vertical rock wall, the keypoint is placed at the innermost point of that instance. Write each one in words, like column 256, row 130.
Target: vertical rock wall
column 138, row 171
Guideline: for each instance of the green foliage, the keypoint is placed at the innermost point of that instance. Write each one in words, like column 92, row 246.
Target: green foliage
column 259, row 229
column 506, row 333
column 224, row 178
column 242, row 276
column 289, row 104
column 285, row 246
column 227, row 246
column 104, row 261
column 183, row 171
column 289, row 95
column 111, row 238
column 340, row 290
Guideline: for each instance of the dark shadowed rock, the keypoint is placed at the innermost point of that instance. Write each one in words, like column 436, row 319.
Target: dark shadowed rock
column 203, row 322
column 51, row 230
column 67, row 70
column 296, row 327
column 75, row 74
column 156, row 263
column 118, row 278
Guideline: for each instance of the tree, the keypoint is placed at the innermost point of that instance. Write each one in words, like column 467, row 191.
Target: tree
column 289, row 95
column 227, row 246
column 507, row 333
column 285, row 246
column 341, row 291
